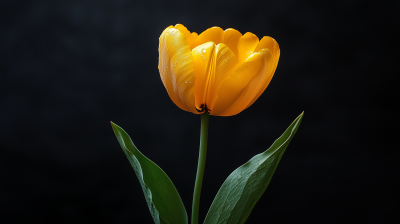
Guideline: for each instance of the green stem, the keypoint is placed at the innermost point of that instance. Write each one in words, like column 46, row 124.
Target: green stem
column 200, row 167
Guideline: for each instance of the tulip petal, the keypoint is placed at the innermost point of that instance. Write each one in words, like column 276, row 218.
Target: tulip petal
column 190, row 37
column 231, row 39
column 176, row 68
column 212, row 65
column 274, row 66
column 246, row 45
column 270, row 43
column 247, row 83
column 214, row 34
column 202, row 65
column 256, row 86
column 225, row 64
column 232, row 88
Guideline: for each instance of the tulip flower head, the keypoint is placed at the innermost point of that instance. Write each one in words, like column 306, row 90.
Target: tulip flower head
column 219, row 72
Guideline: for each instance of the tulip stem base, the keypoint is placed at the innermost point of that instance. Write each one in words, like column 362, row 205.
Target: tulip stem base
column 200, row 167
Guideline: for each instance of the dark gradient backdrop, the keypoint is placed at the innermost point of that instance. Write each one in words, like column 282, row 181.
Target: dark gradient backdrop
column 69, row 67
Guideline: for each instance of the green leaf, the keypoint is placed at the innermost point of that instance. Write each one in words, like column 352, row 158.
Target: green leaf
column 165, row 204
column 243, row 188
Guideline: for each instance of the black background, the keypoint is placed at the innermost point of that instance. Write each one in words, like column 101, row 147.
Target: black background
column 69, row 67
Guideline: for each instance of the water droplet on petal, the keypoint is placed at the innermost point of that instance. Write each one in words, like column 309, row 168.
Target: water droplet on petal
column 204, row 51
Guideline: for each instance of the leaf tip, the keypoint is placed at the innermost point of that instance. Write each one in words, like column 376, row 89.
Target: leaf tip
column 114, row 127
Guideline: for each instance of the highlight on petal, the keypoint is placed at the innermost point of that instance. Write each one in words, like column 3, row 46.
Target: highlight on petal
column 232, row 88
column 214, row 34
column 231, row 39
column 246, row 45
column 190, row 37
column 176, row 68
column 212, row 65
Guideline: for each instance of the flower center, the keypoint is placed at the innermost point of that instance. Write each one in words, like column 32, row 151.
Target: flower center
column 203, row 108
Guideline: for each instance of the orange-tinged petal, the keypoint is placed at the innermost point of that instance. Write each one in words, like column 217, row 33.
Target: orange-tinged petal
column 246, row 45
column 224, row 64
column 232, row 88
column 212, row 65
column 272, row 45
column 176, row 68
column 268, row 42
column 195, row 35
column 202, row 64
column 231, row 39
column 258, row 83
column 214, row 34
column 269, row 71
column 190, row 37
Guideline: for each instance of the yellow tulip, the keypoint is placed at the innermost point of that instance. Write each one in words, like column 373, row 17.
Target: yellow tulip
column 221, row 72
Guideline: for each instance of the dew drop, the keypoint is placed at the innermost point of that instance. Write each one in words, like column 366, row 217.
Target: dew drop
column 204, row 51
